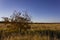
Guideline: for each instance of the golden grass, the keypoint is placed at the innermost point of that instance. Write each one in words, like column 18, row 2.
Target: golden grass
column 45, row 26
column 38, row 27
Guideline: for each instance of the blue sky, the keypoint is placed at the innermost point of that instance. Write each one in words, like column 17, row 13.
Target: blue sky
column 39, row 10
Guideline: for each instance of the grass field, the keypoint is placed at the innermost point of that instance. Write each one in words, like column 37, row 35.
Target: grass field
column 45, row 26
column 38, row 31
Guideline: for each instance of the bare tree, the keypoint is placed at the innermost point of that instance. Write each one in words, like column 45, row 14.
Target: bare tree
column 16, row 17
column 21, row 22
column 26, row 17
column 6, row 19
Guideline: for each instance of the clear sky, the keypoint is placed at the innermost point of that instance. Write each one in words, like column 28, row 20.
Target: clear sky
column 40, row 10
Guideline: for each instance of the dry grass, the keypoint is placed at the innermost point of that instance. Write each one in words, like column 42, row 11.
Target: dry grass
column 34, row 36
column 45, row 26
